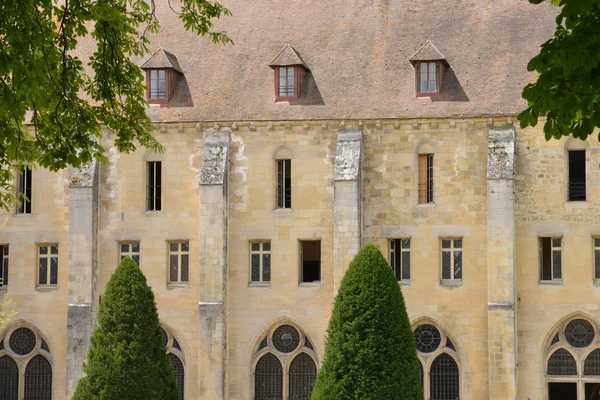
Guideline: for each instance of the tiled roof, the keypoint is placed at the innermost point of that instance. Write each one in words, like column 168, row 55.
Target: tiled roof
column 359, row 56
column 287, row 56
column 427, row 53
column 162, row 59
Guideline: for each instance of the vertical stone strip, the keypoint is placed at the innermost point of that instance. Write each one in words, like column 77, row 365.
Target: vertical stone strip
column 83, row 237
column 346, row 212
column 213, row 267
column 502, row 332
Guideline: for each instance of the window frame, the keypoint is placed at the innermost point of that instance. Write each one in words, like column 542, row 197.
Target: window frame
column 154, row 198
column 425, row 185
column 49, row 256
column 296, row 95
column 301, row 259
column 394, row 258
column 570, row 196
column 283, row 193
column 130, row 252
column 4, row 265
column 452, row 249
column 551, row 251
column 596, row 258
column 438, row 78
column 149, row 86
column 261, row 252
column 179, row 253
column 24, row 190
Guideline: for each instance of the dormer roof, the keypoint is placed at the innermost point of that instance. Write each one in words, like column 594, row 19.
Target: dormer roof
column 161, row 58
column 428, row 52
column 287, row 56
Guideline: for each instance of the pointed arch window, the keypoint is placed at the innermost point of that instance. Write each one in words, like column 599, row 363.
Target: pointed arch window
column 444, row 378
column 268, row 378
column 303, row 373
column 9, row 379
column 38, row 379
column 175, row 357
column 179, row 373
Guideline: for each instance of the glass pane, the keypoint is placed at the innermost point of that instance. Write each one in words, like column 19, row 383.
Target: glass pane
column 597, row 263
column 444, row 378
column 54, row 250
column 43, row 272
column 185, row 246
column 161, row 74
column 302, row 376
column 555, row 242
column 446, row 265
column 173, row 272
column 405, row 265
column 406, row 243
column 597, row 242
column 255, row 273
column 124, row 248
column 135, row 247
column 43, row 249
column 458, row 244
column 445, row 244
column 458, row 265
column 54, row 270
column 266, row 267
column 154, row 74
column 255, row 246
column 267, row 246
column 393, row 244
column 290, row 81
column 136, row 259
column 173, row 246
column 185, row 268
column 432, row 78
column 556, row 264
column 423, row 86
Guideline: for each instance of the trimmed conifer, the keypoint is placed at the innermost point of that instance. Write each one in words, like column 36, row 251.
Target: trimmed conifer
column 127, row 358
column 370, row 351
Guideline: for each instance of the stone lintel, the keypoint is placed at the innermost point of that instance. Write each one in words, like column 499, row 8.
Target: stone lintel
column 214, row 159
column 84, row 175
column 348, row 154
column 501, row 306
column 501, row 152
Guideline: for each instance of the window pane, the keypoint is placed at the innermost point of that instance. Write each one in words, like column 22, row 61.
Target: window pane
column 43, row 249
column 185, row 268
column 458, row 244
column 54, row 250
column 556, row 264
column 302, row 376
column 268, row 379
column 458, row 264
column 444, row 378
column 135, row 247
column 38, row 379
column 9, row 379
column 406, row 243
column 290, row 81
column 43, row 272
column 597, row 263
column 266, row 267
column 255, row 246
column 185, row 246
column 597, row 242
column 255, row 267
column 154, row 74
column 445, row 244
column 136, row 259
column 446, row 265
column 53, row 270
column 124, row 248
column 555, row 242
column 266, row 246
column 173, row 272
column 179, row 373
column 405, row 265
column 173, row 246
column 432, row 78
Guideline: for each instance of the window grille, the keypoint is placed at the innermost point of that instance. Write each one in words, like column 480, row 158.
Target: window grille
column 131, row 249
column 24, row 191
column 579, row 333
column 9, row 379
column 268, row 379
column 592, row 363
column 38, row 379
column 179, row 262
column 550, row 259
column 286, row 338
column 165, row 337
column 284, row 184
column 425, row 178
column 577, row 181
column 302, row 375
column 400, row 258
column 444, row 378
column 427, row 338
column 179, row 373
column 287, row 81
column 260, row 261
column 48, row 265
column 22, row 341
column 561, row 362
column 452, row 259
column 4, row 266
column 421, row 369
column 597, row 258
column 154, row 198
column 428, row 77
column 158, row 84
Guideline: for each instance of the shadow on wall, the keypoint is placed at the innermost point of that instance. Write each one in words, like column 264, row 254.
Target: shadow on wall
column 451, row 88
column 181, row 94
column 310, row 94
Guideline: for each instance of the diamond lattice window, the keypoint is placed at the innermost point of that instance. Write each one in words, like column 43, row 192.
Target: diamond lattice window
column 48, row 265
column 260, row 261
column 400, row 258
column 131, row 249
column 452, row 259
column 179, row 262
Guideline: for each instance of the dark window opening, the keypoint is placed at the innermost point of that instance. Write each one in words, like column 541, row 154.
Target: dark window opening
column 24, row 194
column 592, row 390
column 426, row 178
column 268, row 378
column 577, row 175
column 3, row 266
column 550, row 259
column 154, row 199
column 9, row 379
column 284, row 183
column 302, row 376
column 310, row 255
column 562, row 391
column 38, row 379
column 179, row 374
column 444, row 378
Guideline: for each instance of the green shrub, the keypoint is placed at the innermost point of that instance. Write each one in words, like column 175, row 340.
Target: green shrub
column 370, row 351
column 127, row 359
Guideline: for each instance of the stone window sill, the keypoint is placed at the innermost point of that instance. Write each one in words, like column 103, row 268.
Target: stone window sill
column 404, row 283
column 283, row 211
column 152, row 212
column 259, row 284
column 451, row 283
column 310, row 284
column 596, row 282
column 550, row 283
column 177, row 285
column 426, row 205
column 46, row 288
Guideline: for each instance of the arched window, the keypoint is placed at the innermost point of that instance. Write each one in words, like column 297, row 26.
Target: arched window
column 561, row 362
column 286, row 367
column 9, row 379
column 38, row 379
column 175, row 356
column 268, row 378
column 592, row 363
column 179, row 374
column 303, row 373
column 440, row 373
column 444, row 378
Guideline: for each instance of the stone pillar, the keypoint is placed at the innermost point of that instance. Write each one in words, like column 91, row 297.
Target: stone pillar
column 212, row 331
column 83, row 250
column 502, row 330
column 347, row 210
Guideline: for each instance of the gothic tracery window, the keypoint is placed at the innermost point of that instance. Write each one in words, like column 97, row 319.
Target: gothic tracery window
column 175, row 356
column 286, row 367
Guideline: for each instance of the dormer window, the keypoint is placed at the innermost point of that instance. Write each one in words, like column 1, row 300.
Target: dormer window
column 429, row 69
column 289, row 71
column 162, row 73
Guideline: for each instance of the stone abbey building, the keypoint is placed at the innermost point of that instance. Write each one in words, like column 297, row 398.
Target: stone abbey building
column 328, row 125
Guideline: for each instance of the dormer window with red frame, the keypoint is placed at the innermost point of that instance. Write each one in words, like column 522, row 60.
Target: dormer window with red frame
column 162, row 72
column 429, row 69
column 289, row 71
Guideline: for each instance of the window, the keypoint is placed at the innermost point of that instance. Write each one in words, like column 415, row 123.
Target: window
column 425, row 178
column 284, row 184
column 577, row 175
column 260, row 261
column 179, row 262
column 287, row 87
column 154, row 199
column 310, row 260
column 24, row 194
column 287, row 346
column 175, row 356
column 3, row 266
column 130, row 249
column 428, row 78
column 158, row 85
column 597, row 258
column 400, row 258
column 452, row 259
column 550, row 259
column 38, row 379
column 48, row 265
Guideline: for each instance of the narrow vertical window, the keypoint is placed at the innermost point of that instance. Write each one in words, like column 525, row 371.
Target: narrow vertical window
column 550, row 259
column 425, row 178
column 4, row 266
column 131, row 249
column 284, row 183
column 400, row 258
column 444, row 378
column 287, row 81
column 260, row 261
column 577, row 175
column 38, row 379
column 268, row 378
column 24, row 189
column 154, row 199
column 310, row 260
column 158, row 84
column 597, row 258
column 452, row 259
column 179, row 262
column 47, row 265
column 428, row 77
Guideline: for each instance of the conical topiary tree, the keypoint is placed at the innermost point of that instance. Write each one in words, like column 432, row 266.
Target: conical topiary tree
column 127, row 358
column 370, row 351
